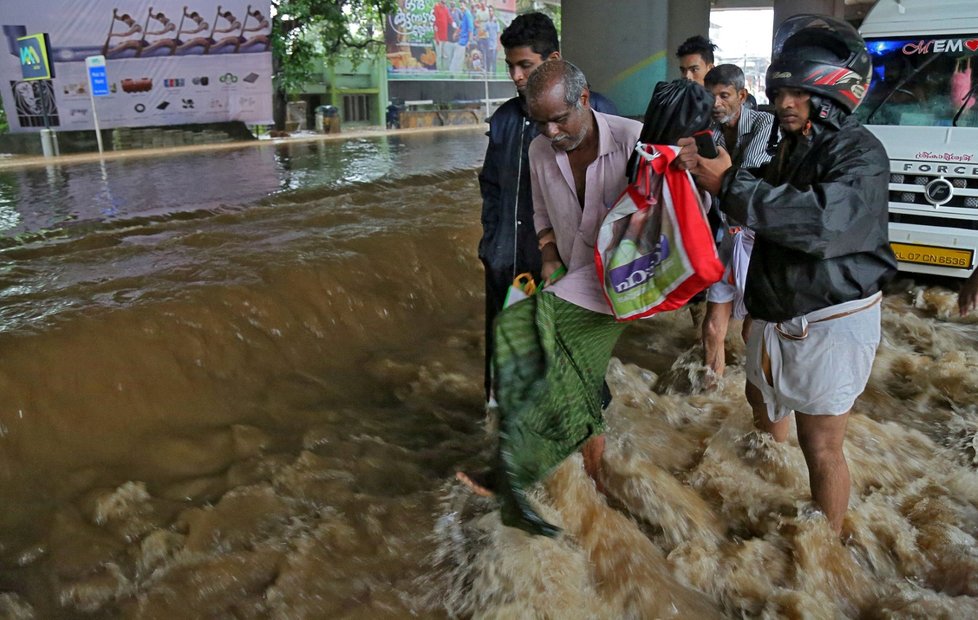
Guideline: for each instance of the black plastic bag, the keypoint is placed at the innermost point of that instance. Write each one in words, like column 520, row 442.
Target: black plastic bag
column 677, row 109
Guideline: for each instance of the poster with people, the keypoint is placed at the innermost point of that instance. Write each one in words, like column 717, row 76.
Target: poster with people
column 447, row 39
column 167, row 62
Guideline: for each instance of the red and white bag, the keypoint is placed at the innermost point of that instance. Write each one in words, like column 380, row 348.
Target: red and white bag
column 655, row 250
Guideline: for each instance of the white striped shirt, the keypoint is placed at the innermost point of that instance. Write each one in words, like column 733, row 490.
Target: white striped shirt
column 753, row 132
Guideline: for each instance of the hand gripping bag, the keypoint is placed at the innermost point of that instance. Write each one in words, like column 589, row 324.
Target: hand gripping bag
column 654, row 249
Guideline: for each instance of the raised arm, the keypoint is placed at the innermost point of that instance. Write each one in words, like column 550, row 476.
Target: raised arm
column 833, row 217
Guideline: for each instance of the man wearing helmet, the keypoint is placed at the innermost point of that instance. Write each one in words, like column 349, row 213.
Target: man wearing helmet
column 821, row 254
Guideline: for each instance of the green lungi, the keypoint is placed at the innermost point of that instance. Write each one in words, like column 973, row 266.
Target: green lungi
column 549, row 365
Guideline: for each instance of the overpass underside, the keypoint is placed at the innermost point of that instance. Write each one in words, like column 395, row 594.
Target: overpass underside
column 627, row 46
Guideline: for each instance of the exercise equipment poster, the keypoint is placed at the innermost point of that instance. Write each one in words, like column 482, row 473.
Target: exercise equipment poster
column 169, row 62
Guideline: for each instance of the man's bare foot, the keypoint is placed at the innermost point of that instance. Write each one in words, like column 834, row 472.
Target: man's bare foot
column 480, row 484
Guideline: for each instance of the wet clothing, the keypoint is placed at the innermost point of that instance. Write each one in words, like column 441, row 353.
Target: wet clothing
column 552, row 350
column 550, row 360
column 555, row 204
column 820, row 259
column 509, row 242
column 818, row 363
column 819, row 213
column 734, row 253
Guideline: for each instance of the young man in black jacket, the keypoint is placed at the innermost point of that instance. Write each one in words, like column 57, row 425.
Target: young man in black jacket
column 509, row 242
column 821, row 253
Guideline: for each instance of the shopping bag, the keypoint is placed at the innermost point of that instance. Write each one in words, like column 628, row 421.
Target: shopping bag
column 522, row 287
column 654, row 249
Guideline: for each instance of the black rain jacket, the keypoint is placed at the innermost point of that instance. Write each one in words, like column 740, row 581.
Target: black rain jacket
column 820, row 213
column 509, row 240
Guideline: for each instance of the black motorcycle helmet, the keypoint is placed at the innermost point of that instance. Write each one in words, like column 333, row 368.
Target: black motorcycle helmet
column 821, row 55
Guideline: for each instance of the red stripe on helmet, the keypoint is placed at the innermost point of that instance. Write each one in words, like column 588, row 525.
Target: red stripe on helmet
column 832, row 77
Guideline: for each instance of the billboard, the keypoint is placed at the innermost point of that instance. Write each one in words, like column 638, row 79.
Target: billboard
column 447, row 39
column 167, row 62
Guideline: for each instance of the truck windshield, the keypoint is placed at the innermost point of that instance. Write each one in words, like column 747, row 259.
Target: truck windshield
column 923, row 81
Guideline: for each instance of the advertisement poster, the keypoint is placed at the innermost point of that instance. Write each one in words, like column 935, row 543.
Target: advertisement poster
column 167, row 62
column 447, row 39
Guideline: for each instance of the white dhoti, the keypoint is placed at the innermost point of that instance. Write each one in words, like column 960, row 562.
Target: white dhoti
column 818, row 363
column 735, row 249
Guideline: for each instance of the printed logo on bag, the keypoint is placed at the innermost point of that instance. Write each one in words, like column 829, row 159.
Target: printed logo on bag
column 630, row 275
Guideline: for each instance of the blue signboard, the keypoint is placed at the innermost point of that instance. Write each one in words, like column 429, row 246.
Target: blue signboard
column 98, row 81
column 35, row 63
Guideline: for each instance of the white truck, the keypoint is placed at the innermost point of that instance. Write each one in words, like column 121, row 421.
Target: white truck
column 922, row 104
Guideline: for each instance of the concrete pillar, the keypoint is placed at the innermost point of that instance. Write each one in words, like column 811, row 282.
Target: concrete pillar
column 626, row 47
column 686, row 19
column 783, row 9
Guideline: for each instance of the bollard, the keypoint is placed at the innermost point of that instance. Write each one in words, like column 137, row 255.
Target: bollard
column 49, row 143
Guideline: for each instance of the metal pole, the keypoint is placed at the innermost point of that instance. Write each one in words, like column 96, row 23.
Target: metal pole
column 48, row 145
column 485, row 76
column 98, row 132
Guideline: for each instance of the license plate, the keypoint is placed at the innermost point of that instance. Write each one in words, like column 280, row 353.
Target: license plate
column 933, row 255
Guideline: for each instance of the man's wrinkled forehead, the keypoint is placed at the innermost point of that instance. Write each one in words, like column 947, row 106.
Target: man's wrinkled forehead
column 718, row 89
column 547, row 105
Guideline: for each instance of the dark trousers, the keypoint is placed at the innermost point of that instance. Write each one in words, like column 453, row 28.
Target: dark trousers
column 498, row 282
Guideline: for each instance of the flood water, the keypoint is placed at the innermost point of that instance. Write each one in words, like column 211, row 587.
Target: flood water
column 236, row 384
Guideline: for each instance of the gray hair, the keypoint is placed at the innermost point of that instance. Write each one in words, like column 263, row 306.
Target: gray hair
column 727, row 75
column 553, row 72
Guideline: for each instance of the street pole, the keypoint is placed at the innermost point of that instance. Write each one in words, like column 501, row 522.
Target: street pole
column 485, row 79
column 98, row 85
column 98, row 132
column 49, row 140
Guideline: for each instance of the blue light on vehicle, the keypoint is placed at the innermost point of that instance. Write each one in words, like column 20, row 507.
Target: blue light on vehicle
column 881, row 47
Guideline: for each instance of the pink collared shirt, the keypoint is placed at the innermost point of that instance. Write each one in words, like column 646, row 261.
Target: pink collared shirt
column 555, row 204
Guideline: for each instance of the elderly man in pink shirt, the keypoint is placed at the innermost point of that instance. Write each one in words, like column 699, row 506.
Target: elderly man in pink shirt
column 577, row 172
column 552, row 349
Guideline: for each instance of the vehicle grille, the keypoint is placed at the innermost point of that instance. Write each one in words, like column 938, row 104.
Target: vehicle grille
column 930, row 220
column 909, row 189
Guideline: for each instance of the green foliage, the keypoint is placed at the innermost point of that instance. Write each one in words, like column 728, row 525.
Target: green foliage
column 304, row 32
column 4, row 127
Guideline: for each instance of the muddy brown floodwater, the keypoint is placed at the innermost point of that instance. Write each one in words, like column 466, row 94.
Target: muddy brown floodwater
column 237, row 384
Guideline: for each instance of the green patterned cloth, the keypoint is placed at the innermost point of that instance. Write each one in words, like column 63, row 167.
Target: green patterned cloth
column 549, row 365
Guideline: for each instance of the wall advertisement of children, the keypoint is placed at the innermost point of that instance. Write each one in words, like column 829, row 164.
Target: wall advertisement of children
column 168, row 62
column 447, row 39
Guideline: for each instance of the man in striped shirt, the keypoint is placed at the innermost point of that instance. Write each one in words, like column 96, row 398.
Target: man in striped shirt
column 744, row 133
